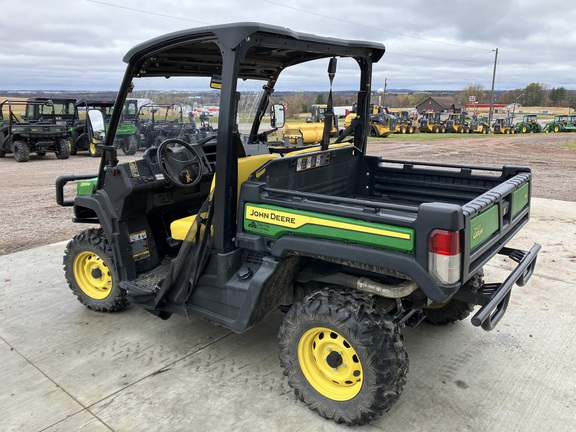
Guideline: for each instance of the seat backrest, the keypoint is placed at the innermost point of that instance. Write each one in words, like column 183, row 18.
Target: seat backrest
column 246, row 166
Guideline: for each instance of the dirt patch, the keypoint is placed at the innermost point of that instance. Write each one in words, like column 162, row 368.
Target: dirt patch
column 30, row 216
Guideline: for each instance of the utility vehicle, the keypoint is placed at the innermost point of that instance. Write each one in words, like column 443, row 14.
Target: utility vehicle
column 78, row 139
column 38, row 130
column 158, row 122
column 351, row 247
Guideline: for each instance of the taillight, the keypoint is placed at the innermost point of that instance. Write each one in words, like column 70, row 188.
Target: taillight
column 444, row 256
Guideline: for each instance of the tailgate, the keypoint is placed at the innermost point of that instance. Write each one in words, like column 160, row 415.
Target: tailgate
column 493, row 218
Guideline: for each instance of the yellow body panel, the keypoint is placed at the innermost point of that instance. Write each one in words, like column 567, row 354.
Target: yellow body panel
column 246, row 166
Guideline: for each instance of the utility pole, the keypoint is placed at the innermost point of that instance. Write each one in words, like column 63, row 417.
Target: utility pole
column 492, row 90
column 384, row 95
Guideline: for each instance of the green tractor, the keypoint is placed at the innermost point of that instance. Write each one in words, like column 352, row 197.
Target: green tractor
column 528, row 124
column 561, row 123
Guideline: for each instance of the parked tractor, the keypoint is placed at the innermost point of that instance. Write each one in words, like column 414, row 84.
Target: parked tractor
column 528, row 124
column 350, row 247
column 456, row 123
column 503, row 126
column 561, row 123
column 480, row 125
column 431, row 123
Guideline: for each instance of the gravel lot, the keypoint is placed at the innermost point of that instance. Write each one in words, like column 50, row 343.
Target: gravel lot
column 30, row 216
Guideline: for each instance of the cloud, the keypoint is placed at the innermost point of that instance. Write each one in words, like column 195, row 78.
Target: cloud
column 79, row 44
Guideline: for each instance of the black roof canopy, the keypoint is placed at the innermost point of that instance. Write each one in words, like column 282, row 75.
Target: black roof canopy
column 197, row 51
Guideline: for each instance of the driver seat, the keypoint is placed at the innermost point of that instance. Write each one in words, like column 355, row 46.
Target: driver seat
column 246, row 166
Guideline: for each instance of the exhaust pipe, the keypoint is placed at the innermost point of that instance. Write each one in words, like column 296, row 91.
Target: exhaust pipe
column 368, row 285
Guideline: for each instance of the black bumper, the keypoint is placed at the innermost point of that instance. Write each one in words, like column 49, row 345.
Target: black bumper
column 494, row 297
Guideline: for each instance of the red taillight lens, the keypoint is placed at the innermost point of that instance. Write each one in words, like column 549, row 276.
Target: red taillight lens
column 444, row 242
column 444, row 258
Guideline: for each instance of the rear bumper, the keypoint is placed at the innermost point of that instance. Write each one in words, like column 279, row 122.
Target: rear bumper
column 495, row 297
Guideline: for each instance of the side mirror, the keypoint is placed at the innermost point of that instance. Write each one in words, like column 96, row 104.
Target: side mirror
column 95, row 123
column 277, row 116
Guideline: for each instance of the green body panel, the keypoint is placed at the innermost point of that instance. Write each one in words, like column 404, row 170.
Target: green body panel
column 126, row 129
column 275, row 222
column 483, row 226
column 87, row 187
column 520, row 199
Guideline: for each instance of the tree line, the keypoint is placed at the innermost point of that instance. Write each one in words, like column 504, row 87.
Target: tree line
column 534, row 94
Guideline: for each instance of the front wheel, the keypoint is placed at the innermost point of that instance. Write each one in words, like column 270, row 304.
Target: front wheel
column 91, row 272
column 93, row 150
column 130, row 145
column 343, row 356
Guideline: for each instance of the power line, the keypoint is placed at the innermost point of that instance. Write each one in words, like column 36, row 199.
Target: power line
column 147, row 12
column 371, row 28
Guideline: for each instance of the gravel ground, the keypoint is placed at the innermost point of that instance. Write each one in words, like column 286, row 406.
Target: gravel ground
column 30, row 216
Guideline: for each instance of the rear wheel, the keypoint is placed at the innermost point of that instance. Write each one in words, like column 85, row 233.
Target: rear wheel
column 374, row 132
column 21, row 151
column 91, row 273
column 62, row 149
column 343, row 356
column 402, row 129
column 454, row 310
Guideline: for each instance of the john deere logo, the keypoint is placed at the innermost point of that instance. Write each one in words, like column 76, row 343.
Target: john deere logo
column 477, row 231
column 259, row 226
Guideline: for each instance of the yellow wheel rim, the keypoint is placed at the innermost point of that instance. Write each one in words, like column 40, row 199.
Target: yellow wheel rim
column 330, row 364
column 93, row 148
column 92, row 275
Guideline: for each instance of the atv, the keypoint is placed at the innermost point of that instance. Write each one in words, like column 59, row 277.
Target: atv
column 351, row 247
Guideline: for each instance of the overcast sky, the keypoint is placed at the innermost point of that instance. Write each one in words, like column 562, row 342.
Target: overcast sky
column 430, row 45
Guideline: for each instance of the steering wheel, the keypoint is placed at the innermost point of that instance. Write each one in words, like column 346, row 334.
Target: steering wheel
column 180, row 163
